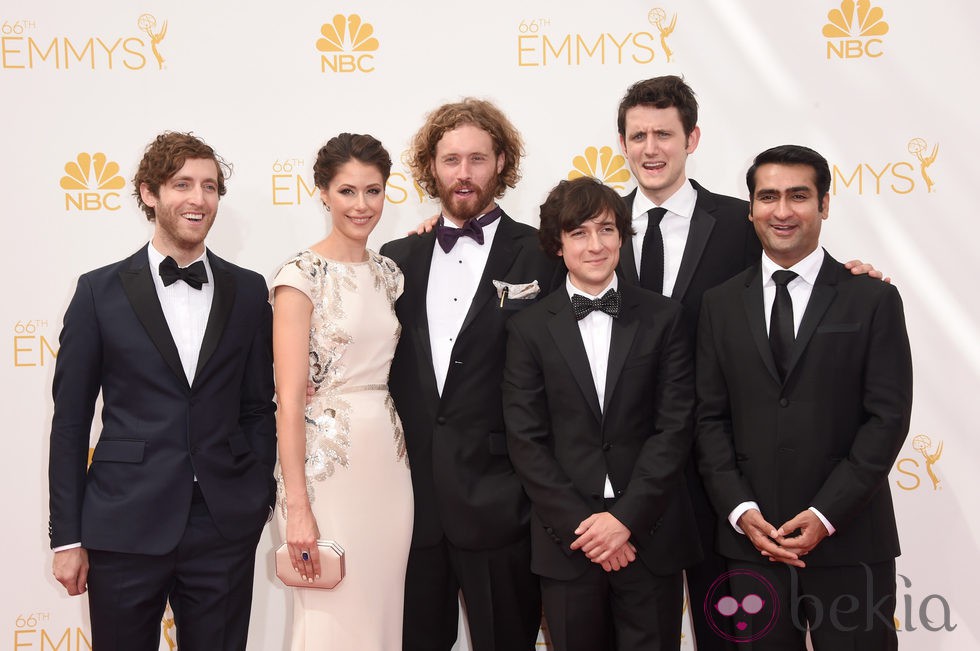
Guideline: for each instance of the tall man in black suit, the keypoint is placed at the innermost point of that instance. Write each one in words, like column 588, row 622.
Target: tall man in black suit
column 598, row 400
column 462, row 282
column 178, row 341
column 804, row 380
column 687, row 241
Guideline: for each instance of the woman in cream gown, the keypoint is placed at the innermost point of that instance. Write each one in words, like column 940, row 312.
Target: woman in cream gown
column 343, row 473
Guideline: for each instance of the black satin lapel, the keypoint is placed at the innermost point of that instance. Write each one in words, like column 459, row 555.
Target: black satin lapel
column 416, row 274
column 702, row 223
column 624, row 330
column 568, row 339
column 221, row 303
column 142, row 294
column 626, row 269
column 755, row 310
column 503, row 251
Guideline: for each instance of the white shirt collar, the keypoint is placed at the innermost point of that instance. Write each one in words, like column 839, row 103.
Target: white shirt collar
column 808, row 268
column 572, row 289
column 680, row 203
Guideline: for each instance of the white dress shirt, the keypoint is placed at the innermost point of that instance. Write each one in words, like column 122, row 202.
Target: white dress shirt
column 800, row 289
column 186, row 310
column 596, row 330
column 674, row 227
column 453, row 279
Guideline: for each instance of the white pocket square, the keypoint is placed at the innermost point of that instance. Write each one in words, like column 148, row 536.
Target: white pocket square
column 516, row 290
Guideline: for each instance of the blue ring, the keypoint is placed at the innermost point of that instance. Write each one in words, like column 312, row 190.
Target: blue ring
column 306, row 556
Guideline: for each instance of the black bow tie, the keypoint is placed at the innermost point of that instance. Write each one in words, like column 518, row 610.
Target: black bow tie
column 447, row 236
column 195, row 275
column 608, row 303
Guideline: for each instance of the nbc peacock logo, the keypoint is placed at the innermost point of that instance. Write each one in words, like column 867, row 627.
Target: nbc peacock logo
column 601, row 163
column 852, row 30
column 346, row 44
column 91, row 182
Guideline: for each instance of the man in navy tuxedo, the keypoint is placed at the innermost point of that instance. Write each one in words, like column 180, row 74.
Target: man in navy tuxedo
column 178, row 342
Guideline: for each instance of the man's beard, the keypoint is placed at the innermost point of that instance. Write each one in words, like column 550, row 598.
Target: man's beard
column 464, row 209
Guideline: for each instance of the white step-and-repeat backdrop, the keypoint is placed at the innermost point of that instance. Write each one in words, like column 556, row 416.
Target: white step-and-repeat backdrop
column 882, row 88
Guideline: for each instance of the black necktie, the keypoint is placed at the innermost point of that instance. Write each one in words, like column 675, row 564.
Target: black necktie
column 608, row 303
column 447, row 235
column 781, row 335
column 652, row 253
column 195, row 275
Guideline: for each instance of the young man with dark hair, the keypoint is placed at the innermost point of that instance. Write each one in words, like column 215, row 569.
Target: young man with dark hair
column 598, row 400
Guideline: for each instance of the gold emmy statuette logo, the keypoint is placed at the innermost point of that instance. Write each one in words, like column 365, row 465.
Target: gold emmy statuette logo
column 855, row 28
column 658, row 18
column 91, row 181
column 147, row 23
column 601, row 163
column 918, row 147
column 345, row 43
column 921, row 444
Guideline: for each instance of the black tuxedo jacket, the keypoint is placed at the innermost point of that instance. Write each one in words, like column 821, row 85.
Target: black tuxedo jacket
column 563, row 445
column 721, row 243
column 159, row 432
column 827, row 436
column 464, row 483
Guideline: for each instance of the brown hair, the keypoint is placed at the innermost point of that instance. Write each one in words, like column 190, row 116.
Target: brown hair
column 165, row 156
column 346, row 147
column 572, row 203
column 661, row 92
column 476, row 112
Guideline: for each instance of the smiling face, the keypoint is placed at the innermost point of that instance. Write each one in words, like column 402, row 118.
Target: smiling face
column 184, row 209
column 465, row 170
column 355, row 197
column 591, row 252
column 787, row 211
column 657, row 148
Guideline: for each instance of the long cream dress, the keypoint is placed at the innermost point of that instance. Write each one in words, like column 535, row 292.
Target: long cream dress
column 357, row 472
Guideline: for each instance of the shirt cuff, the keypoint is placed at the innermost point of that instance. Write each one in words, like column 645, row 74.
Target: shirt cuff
column 826, row 522
column 71, row 546
column 737, row 513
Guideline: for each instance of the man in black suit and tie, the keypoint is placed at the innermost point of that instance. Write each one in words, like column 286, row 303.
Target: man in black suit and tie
column 462, row 282
column 687, row 241
column 804, row 379
column 178, row 342
column 598, row 400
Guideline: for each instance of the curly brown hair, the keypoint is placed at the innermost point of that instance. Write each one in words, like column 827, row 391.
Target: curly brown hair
column 165, row 156
column 479, row 113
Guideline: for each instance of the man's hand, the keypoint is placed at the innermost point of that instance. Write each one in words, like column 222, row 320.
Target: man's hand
column 859, row 268
column 425, row 226
column 623, row 557
column 600, row 536
column 70, row 567
column 802, row 533
column 763, row 537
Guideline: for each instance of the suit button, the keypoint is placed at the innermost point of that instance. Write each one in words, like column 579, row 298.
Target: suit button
column 441, row 420
column 194, row 450
column 607, row 447
column 549, row 530
column 783, row 402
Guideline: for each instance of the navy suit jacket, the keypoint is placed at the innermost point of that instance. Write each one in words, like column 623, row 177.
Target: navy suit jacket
column 158, row 431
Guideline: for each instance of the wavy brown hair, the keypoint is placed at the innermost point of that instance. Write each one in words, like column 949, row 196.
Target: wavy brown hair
column 479, row 113
column 165, row 156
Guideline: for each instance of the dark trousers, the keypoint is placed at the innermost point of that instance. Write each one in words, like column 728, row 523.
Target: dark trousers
column 207, row 579
column 629, row 610
column 846, row 608
column 501, row 598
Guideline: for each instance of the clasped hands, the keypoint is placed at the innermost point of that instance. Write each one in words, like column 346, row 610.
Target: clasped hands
column 605, row 540
column 787, row 544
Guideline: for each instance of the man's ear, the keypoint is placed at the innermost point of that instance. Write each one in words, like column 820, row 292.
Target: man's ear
column 147, row 196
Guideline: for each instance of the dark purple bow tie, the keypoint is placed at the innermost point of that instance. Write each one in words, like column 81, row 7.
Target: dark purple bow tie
column 447, row 235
